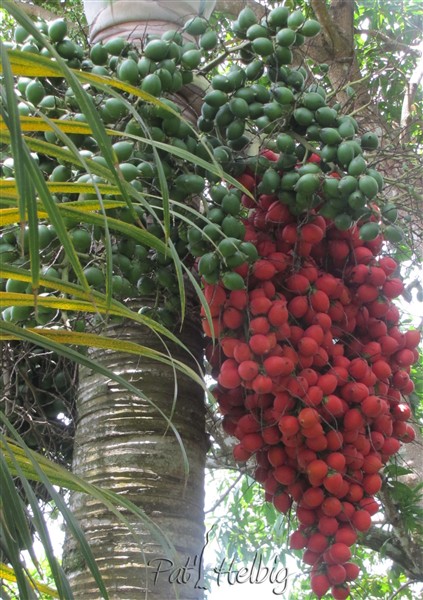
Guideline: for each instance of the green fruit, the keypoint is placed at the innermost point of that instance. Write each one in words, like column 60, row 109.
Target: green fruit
column 20, row 313
column 246, row 18
column 152, row 85
column 128, row 71
column 310, row 28
column 28, row 47
column 313, row 100
column 273, row 110
column 377, row 176
column 357, row 201
column 67, row 49
column 216, row 98
column 303, row 116
column 81, row 240
column 208, row 263
column 235, row 129
column 20, row 34
column 285, row 37
column 7, row 253
column 330, row 136
column 295, row 20
column 16, row 286
column 369, row 141
column 347, row 185
column 343, row 221
column 262, row 46
column 254, row 70
column 278, row 17
column 191, row 59
column 296, row 79
column 307, row 184
column 239, row 108
column 208, row 40
column 116, row 46
column 236, row 260
column 393, row 234
column 256, row 31
column 346, row 130
column 310, row 168
column 328, row 153
column 390, row 212
column 326, row 116
column 249, row 250
column 222, row 83
column 129, row 171
column 99, row 54
column 115, row 109
column 57, row 30
column 60, row 174
column 368, row 186
column 45, row 236
column 191, row 184
column 289, row 180
column 123, row 150
column 283, row 56
column 196, row 26
column 357, row 166
column 270, row 182
column 233, row 281
column 369, row 231
column 345, row 153
column 285, row 143
column 330, row 187
column 231, row 204
column 35, row 92
column 232, row 227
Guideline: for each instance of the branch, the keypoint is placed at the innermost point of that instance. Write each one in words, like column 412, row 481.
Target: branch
column 390, row 43
column 411, row 91
column 382, row 541
column 330, row 30
column 36, row 11
column 234, row 7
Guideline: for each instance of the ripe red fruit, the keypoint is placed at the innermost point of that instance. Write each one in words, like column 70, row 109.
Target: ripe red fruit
column 278, row 365
column 361, row 520
column 328, row 383
column 312, row 498
column 340, row 592
column 229, row 378
column 278, row 313
column 336, row 574
column 317, row 542
column 262, row 384
column 353, row 419
column 307, row 346
column 282, row 502
column 316, row 471
column 328, row 525
column 320, row 584
column 263, row 269
column 334, row 484
column 259, row 344
column 285, row 475
column 242, row 352
column 297, row 284
column 252, row 442
column 346, row 535
column 297, row 541
column 232, row 318
column 289, row 425
column 337, row 554
column 311, row 233
column 372, row 484
column 248, row 370
column 308, row 417
column 331, row 507
column 393, row 288
column 352, row 571
column 319, row 300
column 240, row 454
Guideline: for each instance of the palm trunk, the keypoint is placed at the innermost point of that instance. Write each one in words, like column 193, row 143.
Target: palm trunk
column 123, row 444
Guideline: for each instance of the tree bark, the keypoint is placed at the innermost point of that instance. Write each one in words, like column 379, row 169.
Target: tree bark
column 123, row 444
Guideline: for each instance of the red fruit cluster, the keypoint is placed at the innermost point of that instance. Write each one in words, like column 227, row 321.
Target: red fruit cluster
column 312, row 371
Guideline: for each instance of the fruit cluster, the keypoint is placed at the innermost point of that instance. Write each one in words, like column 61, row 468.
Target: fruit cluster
column 312, row 370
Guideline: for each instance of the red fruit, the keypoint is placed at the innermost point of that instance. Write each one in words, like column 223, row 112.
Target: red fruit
column 279, row 260
column 317, row 542
column 248, row 424
column 338, row 251
column 307, row 346
column 390, row 446
column 331, row 507
column 311, row 558
column 259, row 306
column 276, row 456
column 259, row 325
column 263, row 269
column 372, row 484
column 282, row 502
column 278, row 365
column 370, row 505
column 313, row 497
column 297, row 541
column 320, row 584
column 316, row 332
column 242, row 352
column 277, row 213
column 401, row 412
column 404, row 358
column 336, row 574
column 232, row 318
column 229, row 378
column 252, row 442
column 328, row 525
column 409, row 436
column 346, row 535
column 328, row 383
column 361, row 520
column 381, row 369
column 340, row 592
column 317, row 470
column 372, row 406
column 213, row 330
column 297, row 284
column 363, row 255
column 247, row 180
column 259, row 344
column 353, row 419
column 389, row 265
column 278, row 314
column 372, row 463
column 216, row 297
column 412, row 339
column 306, row 516
column 334, row 440
column 336, row 461
column 289, row 425
column 367, row 293
column 333, row 405
column 334, row 484
column 285, row 475
column 228, row 345
column 314, row 396
column 248, row 370
column 352, row 571
column 238, row 299
column 311, row 233
column 337, row 554
column 262, row 384
column 354, row 392
column 319, row 300
column 308, row 417
column 240, row 453
column 393, row 288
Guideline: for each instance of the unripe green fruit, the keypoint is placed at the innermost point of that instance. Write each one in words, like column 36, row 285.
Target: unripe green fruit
column 369, row 231
column 35, row 92
column 196, row 26
column 116, row 46
column 233, row 281
column 368, row 186
column 285, row 37
column 295, row 20
column 152, row 85
column 369, row 141
column 246, row 18
column 310, row 28
column 99, row 54
column 128, row 71
column 209, row 40
column 57, row 30
column 278, row 17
